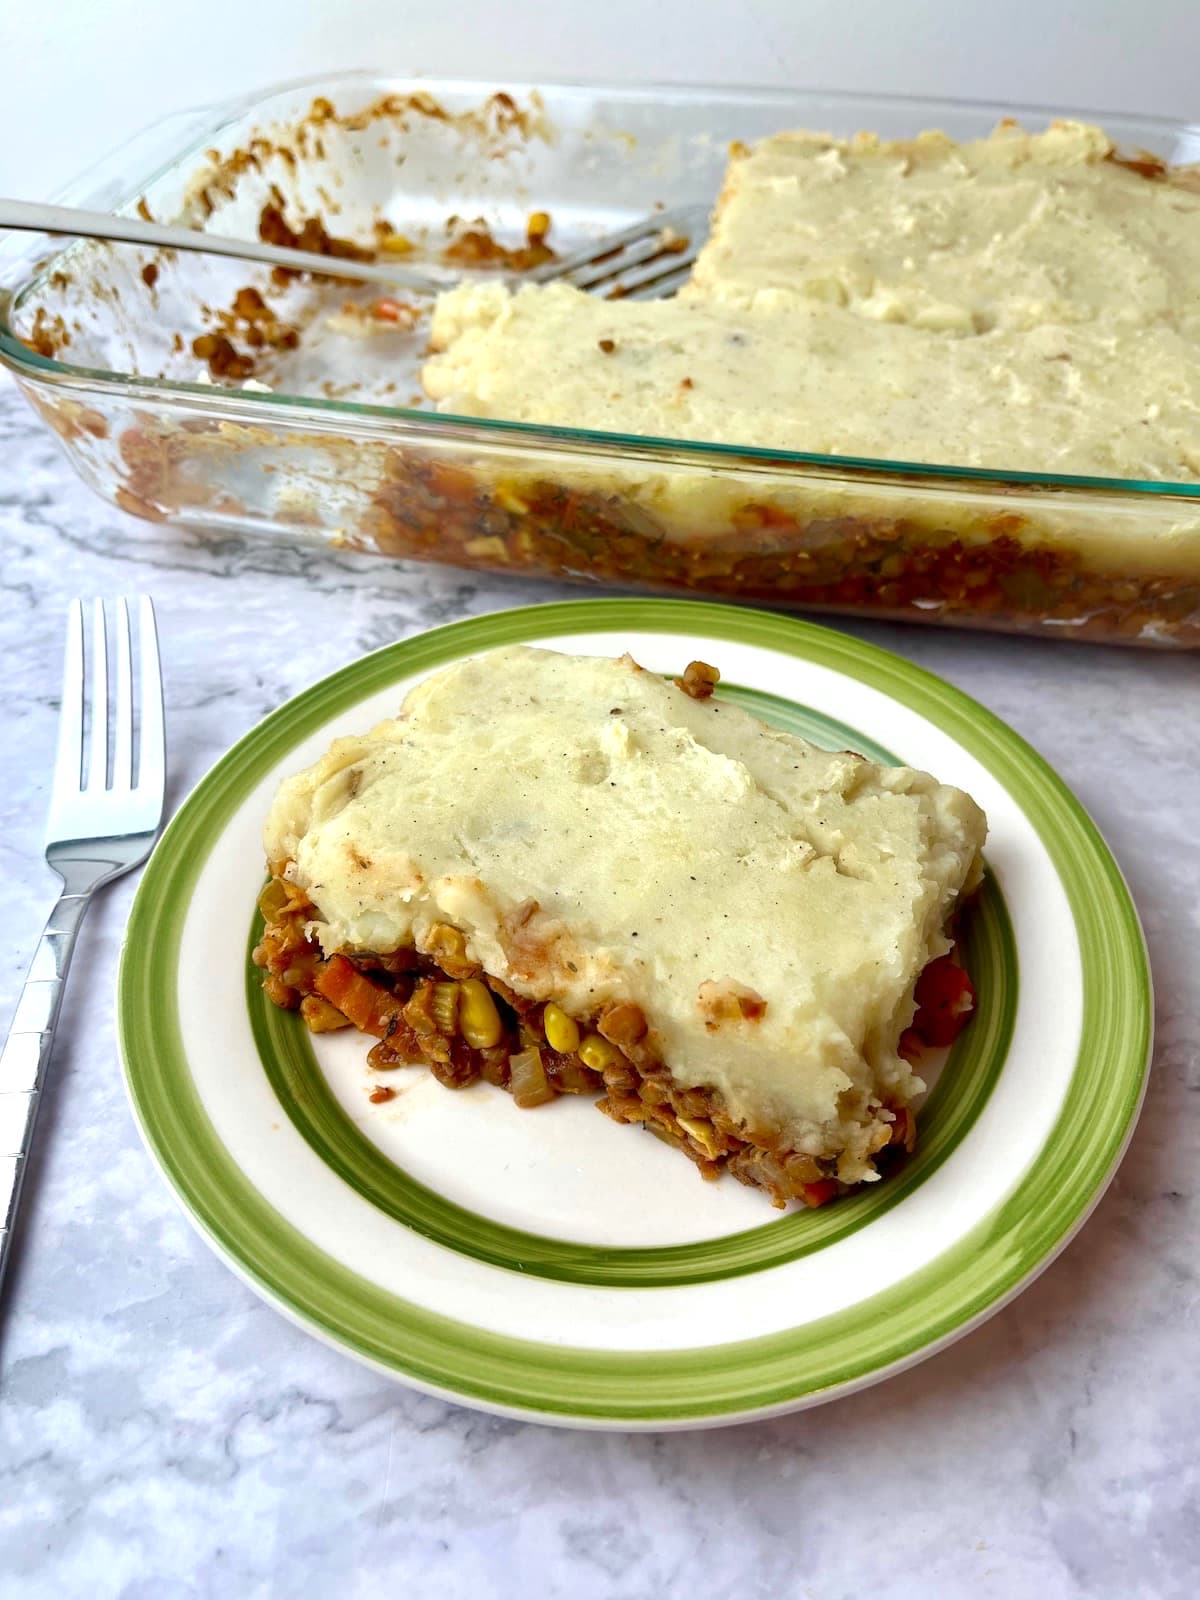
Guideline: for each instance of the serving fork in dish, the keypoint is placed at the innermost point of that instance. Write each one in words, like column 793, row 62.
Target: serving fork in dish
column 104, row 817
column 645, row 261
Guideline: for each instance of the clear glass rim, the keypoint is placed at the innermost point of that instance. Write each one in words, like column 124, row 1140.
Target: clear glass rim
column 403, row 421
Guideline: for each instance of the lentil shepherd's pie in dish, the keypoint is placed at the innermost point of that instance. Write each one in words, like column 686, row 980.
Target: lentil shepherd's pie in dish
column 1022, row 303
column 568, row 875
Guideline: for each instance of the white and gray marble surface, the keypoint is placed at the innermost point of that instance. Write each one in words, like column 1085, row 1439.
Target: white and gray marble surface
column 163, row 1433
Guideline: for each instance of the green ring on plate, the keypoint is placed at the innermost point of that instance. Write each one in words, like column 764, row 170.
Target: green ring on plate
column 863, row 1342
column 950, row 1112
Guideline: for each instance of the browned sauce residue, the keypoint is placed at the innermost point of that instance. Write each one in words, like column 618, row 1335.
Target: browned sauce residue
column 495, row 125
column 312, row 235
column 253, row 322
column 472, row 244
column 1143, row 162
column 48, row 335
column 728, row 1001
column 221, row 356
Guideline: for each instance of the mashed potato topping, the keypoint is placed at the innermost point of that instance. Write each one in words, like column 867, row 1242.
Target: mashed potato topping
column 1025, row 302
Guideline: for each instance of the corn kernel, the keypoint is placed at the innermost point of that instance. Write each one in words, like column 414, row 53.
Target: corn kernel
column 446, row 943
column 596, row 1052
column 448, row 947
column 477, row 1015
column 562, row 1031
column 509, row 500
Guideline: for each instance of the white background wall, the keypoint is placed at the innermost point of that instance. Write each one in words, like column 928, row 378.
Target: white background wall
column 81, row 75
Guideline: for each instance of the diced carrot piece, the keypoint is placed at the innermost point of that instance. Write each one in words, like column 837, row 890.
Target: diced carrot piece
column 387, row 310
column 819, row 1193
column 945, row 1000
column 369, row 1006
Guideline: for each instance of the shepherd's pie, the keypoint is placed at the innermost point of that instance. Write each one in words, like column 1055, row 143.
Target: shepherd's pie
column 568, row 874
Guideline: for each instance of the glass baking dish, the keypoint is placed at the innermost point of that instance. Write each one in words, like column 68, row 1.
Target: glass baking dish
column 339, row 446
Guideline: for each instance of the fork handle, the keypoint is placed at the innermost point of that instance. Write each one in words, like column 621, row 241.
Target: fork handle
column 27, row 1051
column 32, row 216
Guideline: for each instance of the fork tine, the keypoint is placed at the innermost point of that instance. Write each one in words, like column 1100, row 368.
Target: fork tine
column 152, row 766
column 69, row 760
column 661, row 288
column 97, row 774
column 607, row 247
column 644, row 249
column 646, row 281
column 123, row 737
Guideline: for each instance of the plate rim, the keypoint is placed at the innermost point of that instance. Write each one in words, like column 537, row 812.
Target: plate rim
column 780, row 1388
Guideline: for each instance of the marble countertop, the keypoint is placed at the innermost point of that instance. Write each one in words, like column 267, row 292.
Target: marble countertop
column 163, row 1433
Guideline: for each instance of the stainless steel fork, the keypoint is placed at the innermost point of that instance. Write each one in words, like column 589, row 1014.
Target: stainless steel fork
column 645, row 262
column 100, row 826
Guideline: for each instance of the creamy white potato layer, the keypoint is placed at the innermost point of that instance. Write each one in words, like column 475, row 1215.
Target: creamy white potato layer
column 1016, row 231
column 1024, row 302
column 1077, row 397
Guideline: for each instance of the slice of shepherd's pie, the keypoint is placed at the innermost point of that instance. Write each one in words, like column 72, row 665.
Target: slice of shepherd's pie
column 569, row 875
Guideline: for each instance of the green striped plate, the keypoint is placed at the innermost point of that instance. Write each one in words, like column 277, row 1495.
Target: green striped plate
column 554, row 1264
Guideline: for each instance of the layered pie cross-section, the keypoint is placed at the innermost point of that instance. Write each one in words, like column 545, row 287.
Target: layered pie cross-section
column 569, row 875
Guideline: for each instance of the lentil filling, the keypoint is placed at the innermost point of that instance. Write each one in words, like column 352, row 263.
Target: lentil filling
column 440, row 1009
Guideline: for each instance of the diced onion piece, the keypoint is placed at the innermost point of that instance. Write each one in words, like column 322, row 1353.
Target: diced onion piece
column 273, row 901
column 530, row 1086
column 800, row 1169
column 703, row 1134
column 445, row 1008
column 320, row 1017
